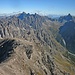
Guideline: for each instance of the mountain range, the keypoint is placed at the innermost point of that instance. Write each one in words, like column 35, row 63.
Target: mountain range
column 31, row 44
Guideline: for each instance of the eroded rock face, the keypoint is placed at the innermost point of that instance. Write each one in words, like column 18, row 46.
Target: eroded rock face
column 29, row 51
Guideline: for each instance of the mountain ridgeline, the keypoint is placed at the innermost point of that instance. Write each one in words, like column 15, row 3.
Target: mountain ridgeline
column 31, row 44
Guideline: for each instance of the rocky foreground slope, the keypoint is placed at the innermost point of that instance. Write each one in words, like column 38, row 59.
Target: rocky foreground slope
column 21, row 57
column 28, row 47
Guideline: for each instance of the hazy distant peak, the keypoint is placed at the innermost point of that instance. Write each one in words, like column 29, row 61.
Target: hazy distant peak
column 69, row 14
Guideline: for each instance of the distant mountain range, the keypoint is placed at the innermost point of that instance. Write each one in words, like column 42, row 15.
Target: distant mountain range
column 53, row 16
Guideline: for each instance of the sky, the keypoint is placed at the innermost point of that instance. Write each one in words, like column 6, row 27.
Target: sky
column 58, row 7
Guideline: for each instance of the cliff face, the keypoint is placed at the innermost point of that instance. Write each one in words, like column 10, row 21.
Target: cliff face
column 68, row 33
column 28, row 47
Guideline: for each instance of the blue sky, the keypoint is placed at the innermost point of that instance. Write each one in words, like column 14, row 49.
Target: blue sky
column 59, row 7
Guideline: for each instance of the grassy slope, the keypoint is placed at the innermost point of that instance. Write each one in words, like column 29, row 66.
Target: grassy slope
column 64, row 64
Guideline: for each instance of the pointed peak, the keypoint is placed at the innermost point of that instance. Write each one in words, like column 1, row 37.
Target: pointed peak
column 23, row 13
column 69, row 14
column 35, row 14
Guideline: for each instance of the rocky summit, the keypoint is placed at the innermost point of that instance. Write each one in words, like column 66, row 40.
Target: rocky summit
column 31, row 44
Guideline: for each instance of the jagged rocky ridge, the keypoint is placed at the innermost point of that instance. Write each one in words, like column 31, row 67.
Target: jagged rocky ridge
column 28, row 47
